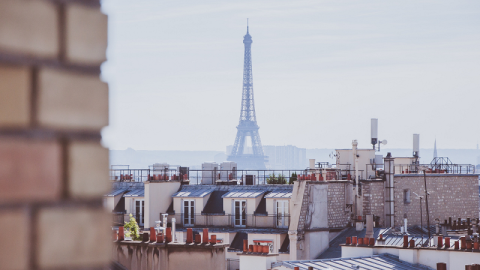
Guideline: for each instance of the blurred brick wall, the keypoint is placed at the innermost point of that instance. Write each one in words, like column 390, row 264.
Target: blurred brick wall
column 53, row 170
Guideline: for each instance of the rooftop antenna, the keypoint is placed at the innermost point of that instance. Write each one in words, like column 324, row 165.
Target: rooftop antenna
column 374, row 134
column 247, row 25
column 374, row 131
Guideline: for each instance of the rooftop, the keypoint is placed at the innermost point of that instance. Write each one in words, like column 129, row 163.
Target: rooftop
column 382, row 261
column 194, row 191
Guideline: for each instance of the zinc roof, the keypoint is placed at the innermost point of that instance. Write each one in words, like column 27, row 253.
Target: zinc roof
column 382, row 261
column 279, row 193
column 115, row 192
column 194, row 191
column 244, row 194
column 139, row 192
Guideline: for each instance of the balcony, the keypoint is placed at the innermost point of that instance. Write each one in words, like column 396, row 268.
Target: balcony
column 231, row 221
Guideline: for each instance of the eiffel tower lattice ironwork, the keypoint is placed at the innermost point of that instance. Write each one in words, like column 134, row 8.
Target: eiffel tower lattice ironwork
column 248, row 128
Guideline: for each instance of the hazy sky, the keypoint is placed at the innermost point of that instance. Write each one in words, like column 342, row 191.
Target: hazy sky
column 321, row 70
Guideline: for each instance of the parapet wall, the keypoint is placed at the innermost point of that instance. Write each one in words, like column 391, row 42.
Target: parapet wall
column 136, row 255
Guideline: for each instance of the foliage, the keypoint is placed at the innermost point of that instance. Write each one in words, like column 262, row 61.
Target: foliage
column 293, row 178
column 280, row 179
column 132, row 229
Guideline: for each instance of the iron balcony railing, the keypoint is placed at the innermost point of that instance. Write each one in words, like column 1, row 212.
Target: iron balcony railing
column 232, row 221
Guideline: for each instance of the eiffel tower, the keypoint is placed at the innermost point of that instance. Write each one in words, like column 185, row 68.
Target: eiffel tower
column 248, row 128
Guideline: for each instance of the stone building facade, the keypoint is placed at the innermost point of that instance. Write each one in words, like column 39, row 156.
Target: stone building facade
column 451, row 195
column 373, row 192
column 338, row 213
column 53, row 169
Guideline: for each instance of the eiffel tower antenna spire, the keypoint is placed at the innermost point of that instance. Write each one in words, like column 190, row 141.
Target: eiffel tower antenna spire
column 247, row 127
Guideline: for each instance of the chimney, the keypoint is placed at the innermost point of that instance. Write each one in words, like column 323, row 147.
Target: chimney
column 312, row 164
column 153, row 237
column 440, row 242
column 145, row 237
column 447, row 242
column 168, row 237
column 205, row 236
column 121, row 234
column 198, row 238
column 189, row 236
column 172, row 237
column 369, row 232
column 245, row 245
column 213, row 241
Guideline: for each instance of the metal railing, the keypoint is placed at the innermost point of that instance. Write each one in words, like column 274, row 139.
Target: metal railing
column 225, row 177
column 434, row 168
column 232, row 221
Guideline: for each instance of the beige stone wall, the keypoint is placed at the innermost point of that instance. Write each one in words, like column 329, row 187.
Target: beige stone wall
column 374, row 199
column 53, row 169
column 338, row 215
column 453, row 196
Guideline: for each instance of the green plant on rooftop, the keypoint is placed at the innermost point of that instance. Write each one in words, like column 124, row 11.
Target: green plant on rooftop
column 292, row 179
column 272, row 179
column 132, row 229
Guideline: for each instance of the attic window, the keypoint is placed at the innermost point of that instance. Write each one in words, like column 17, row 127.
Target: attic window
column 406, row 196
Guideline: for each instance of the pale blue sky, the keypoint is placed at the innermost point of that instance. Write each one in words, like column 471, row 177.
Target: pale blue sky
column 321, row 70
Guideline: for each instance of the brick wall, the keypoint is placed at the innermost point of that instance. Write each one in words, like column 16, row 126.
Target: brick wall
column 53, row 169
column 373, row 199
column 338, row 215
column 453, row 196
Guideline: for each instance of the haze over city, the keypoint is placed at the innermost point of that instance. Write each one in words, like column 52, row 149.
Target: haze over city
column 321, row 70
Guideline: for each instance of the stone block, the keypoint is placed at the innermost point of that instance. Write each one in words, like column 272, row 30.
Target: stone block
column 29, row 27
column 72, row 101
column 15, row 96
column 86, row 36
column 73, row 237
column 29, row 170
column 14, row 247
column 88, row 174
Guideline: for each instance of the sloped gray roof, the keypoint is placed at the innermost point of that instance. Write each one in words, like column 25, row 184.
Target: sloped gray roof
column 139, row 192
column 232, row 191
column 382, row 261
column 115, row 192
column 244, row 193
column 194, row 191
column 279, row 193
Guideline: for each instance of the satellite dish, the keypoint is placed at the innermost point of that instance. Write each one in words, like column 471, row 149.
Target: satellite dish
column 384, row 142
